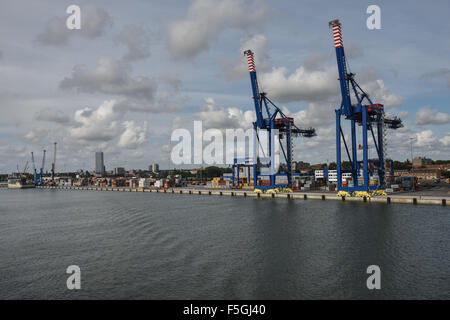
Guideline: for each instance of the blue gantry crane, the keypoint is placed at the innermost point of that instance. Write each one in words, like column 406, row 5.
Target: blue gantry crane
column 363, row 112
column 278, row 127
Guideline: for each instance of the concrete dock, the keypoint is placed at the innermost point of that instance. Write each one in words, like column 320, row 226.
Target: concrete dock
column 405, row 199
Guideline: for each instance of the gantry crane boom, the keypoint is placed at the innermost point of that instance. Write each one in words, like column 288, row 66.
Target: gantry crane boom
column 342, row 66
column 255, row 88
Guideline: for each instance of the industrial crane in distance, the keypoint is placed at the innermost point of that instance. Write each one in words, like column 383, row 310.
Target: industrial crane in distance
column 271, row 119
column 368, row 115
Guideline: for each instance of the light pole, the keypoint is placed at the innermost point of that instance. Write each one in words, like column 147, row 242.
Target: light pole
column 411, row 141
column 412, row 166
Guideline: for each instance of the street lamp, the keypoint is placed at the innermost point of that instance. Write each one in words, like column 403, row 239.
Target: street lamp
column 411, row 141
column 412, row 166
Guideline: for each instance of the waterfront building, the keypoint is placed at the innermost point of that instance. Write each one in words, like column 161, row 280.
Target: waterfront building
column 420, row 174
column 420, row 162
column 119, row 171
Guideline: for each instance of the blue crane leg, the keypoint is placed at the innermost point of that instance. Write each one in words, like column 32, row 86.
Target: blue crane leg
column 365, row 149
column 381, row 166
column 354, row 163
column 338, row 149
column 255, row 156
column 289, row 156
column 272, row 153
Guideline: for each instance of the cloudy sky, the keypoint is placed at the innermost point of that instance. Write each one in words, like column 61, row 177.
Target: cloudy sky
column 138, row 69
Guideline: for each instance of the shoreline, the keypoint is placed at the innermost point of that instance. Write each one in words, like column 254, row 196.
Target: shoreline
column 407, row 199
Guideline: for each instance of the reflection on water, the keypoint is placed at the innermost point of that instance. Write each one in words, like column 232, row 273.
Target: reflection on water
column 164, row 246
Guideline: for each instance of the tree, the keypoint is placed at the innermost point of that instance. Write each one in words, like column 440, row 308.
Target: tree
column 445, row 174
column 346, row 165
column 398, row 165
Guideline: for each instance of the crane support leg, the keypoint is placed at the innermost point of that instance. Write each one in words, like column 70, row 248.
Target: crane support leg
column 381, row 166
column 272, row 154
column 289, row 155
column 338, row 149
column 255, row 156
column 354, row 163
column 365, row 148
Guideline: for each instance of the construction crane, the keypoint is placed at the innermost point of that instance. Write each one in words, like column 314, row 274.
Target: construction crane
column 41, row 172
column 54, row 162
column 35, row 180
column 363, row 112
column 278, row 126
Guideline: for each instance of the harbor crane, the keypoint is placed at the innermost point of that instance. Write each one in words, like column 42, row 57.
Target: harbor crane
column 278, row 127
column 363, row 112
column 41, row 172
column 54, row 162
column 35, row 179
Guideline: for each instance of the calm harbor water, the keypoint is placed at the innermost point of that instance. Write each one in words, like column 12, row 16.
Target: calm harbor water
column 164, row 246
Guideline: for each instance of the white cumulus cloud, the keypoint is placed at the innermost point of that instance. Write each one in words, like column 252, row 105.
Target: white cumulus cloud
column 301, row 85
column 217, row 117
column 445, row 140
column 133, row 136
column 94, row 23
column 100, row 124
column 425, row 138
column 110, row 77
column 36, row 135
column 238, row 68
column 206, row 19
column 427, row 115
